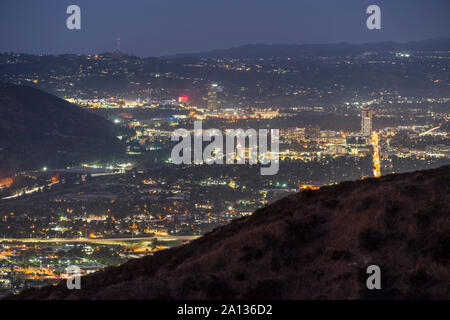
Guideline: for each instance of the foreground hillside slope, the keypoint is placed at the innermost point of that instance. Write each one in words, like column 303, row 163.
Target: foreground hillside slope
column 311, row 245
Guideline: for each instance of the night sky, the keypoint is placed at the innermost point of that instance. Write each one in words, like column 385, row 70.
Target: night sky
column 164, row 27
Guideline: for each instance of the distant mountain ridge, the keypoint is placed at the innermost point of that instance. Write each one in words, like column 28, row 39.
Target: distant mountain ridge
column 39, row 129
column 311, row 245
column 313, row 50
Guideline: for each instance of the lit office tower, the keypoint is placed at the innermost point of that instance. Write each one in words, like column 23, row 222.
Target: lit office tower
column 366, row 122
column 212, row 96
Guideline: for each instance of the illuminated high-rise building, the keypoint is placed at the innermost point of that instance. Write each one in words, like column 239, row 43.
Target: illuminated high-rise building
column 366, row 122
column 212, row 96
column 376, row 155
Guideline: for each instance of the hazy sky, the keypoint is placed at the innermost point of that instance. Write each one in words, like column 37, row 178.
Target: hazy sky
column 161, row 27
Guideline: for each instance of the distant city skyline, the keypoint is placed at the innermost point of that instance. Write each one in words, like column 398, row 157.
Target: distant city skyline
column 157, row 27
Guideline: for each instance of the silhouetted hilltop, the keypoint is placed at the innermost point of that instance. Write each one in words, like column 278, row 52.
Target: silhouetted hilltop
column 314, row 50
column 38, row 129
column 311, row 245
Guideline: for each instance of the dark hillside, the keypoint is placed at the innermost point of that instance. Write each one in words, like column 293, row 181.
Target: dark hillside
column 38, row 129
column 311, row 245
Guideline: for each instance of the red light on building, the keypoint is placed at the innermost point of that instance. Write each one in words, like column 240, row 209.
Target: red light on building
column 183, row 99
